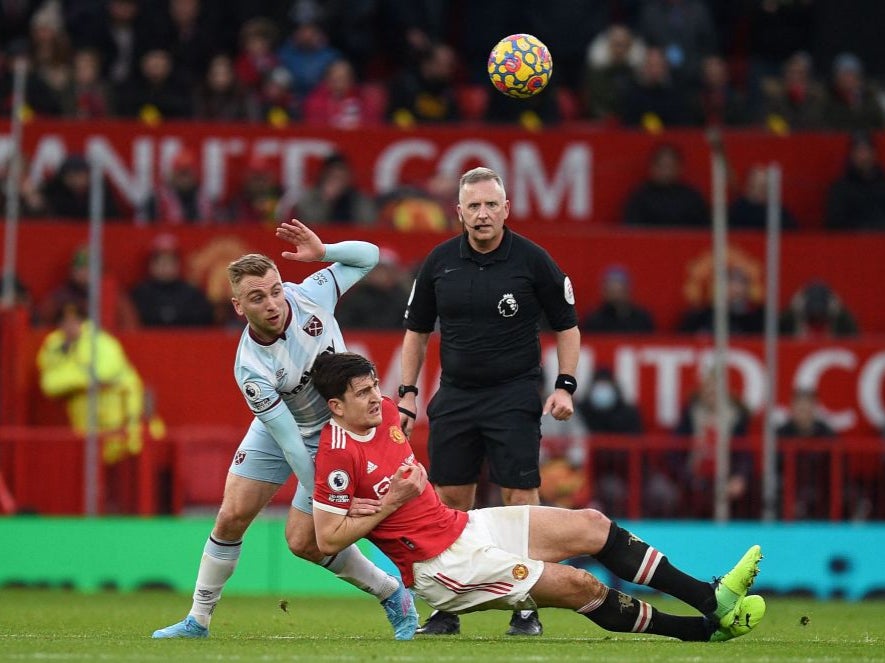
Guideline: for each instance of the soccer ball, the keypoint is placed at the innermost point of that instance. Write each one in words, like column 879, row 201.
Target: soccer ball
column 520, row 66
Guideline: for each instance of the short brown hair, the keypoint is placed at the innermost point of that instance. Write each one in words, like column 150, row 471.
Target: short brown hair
column 251, row 264
column 480, row 174
column 332, row 373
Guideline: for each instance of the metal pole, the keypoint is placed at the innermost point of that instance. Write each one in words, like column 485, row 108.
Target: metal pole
column 720, row 332
column 13, row 176
column 772, row 286
column 92, row 456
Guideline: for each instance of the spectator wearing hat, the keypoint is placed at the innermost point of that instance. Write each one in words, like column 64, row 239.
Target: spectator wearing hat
column 816, row 311
column 856, row 201
column 67, row 192
column 164, row 298
column 379, row 300
column 617, row 313
column 852, row 103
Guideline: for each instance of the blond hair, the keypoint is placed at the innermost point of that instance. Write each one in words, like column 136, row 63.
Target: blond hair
column 251, row 264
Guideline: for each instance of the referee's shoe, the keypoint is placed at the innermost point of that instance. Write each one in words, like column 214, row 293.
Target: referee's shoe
column 445, row 623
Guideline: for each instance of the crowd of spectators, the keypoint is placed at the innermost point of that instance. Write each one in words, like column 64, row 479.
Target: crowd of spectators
column 787, row 65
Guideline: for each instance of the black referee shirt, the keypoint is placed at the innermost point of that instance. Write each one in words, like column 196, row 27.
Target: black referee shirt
column 489, row 308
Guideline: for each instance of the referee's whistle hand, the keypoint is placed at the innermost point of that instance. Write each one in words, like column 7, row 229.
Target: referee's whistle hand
column 560, row 405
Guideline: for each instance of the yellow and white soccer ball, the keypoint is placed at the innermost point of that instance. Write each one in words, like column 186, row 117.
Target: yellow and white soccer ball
column 520, row 66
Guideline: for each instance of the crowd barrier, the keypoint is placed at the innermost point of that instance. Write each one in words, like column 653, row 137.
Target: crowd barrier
column 635, row 477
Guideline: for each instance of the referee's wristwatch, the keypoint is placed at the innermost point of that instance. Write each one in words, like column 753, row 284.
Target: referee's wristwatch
column 404, row 389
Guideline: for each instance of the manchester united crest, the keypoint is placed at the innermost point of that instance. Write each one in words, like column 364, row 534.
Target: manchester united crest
column 313, row 327
column 520, row 572
column 397, row 435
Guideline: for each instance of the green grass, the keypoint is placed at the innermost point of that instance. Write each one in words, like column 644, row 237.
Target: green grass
column 55, row 625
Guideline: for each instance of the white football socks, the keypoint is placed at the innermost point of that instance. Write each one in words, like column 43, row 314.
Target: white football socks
column 352, row 566
column 216, row 567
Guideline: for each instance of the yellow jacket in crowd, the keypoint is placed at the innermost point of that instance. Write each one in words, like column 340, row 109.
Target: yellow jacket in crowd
column 63, row 361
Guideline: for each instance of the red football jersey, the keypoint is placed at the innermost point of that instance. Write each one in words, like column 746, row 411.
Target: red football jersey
column 349, row 466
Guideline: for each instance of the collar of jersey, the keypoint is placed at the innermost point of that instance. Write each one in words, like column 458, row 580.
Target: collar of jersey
column 281, row 336
column 500, row 253
column 368, row 437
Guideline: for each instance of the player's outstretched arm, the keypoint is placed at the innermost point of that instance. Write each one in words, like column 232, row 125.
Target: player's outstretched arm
column 307, row 245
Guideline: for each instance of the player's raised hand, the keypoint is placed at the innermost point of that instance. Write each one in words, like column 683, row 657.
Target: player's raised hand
column 308, row 246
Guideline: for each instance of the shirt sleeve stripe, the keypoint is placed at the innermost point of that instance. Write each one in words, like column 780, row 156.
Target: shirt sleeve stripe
column 331, row 509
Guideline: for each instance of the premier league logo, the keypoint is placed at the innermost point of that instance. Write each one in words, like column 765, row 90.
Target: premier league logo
column 508, row 306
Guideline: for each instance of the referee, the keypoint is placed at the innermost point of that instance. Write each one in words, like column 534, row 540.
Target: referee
column 488, row 288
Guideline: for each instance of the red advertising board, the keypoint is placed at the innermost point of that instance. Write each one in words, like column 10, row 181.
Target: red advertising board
column 580, row 174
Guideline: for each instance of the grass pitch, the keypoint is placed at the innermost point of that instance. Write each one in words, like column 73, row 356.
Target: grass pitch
column 55, row 625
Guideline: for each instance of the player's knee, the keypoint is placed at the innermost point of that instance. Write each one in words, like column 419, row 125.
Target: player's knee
column 583, row 588
column 593, row 520
column 231, row 524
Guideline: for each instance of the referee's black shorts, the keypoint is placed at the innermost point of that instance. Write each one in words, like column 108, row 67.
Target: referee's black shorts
column 501, row 424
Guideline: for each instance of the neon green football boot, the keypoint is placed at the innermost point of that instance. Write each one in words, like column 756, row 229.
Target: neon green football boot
column 745, row 616
column 733, row 586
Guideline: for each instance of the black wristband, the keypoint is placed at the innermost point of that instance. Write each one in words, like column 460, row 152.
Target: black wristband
column 567, row 382
column 408, row 413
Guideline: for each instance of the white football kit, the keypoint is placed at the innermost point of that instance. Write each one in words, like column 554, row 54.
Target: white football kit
column 275, row 377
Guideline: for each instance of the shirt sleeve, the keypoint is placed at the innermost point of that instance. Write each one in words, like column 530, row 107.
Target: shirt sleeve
column 555, row 292
column 335, row 480
column 288, row 437
column 352, row 261
column 421, row 310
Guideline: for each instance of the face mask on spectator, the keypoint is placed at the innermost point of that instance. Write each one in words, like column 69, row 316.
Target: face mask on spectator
column 603, row 395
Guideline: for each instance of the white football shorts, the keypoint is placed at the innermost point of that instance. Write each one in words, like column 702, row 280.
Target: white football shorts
column 486, row 568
